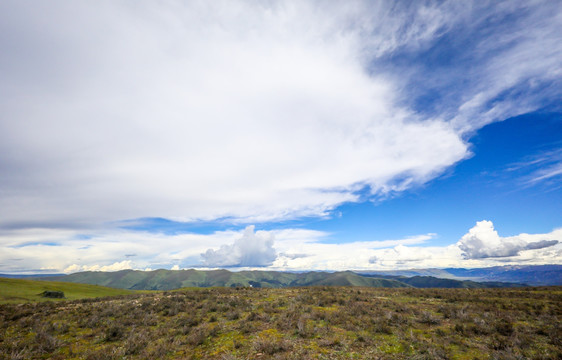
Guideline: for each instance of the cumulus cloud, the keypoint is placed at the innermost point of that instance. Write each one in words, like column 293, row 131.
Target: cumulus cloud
column 480, row 247
column 123, row 265
column 482, row 241
column 251, row 250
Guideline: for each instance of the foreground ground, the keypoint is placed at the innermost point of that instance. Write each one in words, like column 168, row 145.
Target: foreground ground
column 296, row 323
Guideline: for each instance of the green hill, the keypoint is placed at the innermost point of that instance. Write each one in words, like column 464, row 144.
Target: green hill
column 21, row 290
column 170, row 279
column 175, row 279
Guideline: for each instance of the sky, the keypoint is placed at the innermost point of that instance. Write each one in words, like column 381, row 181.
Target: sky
column 280, row 135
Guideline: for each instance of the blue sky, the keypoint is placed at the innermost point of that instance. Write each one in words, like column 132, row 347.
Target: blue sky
column 485, row 186
column 288, row 136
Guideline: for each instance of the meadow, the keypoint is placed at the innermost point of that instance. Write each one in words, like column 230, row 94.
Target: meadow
column 290, row 323
column 21, row 290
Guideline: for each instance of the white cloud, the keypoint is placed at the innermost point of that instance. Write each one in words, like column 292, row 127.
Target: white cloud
column 200, row 111
column 544, row 168
column 203, row 110
column 188, row 110
column 286, row 249
column 482, row 241
column 318, row 254
column 480, row 247
column 251, row 250
column 123, row 265
column 46, row 248
column 411, row 257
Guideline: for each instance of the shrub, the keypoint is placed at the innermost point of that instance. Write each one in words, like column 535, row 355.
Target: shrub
column 45, row 342
column 52, row 294
column 270, row 345
column 198, row 335
column 428, row 318
column 114, row 332
column 135, row 342
column 233, row 315
column 504, row 327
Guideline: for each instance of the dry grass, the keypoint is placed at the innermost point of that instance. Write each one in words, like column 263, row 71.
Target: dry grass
column 296, row 323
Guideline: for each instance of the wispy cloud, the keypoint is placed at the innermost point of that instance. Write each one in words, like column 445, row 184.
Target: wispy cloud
column 544, row 168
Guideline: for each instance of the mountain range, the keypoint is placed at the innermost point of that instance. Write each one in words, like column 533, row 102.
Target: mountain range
column 174, row 279
column 533, row 275
column 499, row 276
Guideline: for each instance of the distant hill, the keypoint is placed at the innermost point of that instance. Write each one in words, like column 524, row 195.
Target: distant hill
column 174, row 279
column 529, row 274
column 28, row 276
column 434, row 282
column 533, row 275
column 23, row 290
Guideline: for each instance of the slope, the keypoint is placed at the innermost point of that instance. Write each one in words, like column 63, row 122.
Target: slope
column 23, row 290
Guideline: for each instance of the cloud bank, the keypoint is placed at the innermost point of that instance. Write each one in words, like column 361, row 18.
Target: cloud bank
column 283, row 249
column 205, row 110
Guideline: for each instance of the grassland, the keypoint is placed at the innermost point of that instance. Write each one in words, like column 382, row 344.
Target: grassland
column 294, row 323
column 21, row 290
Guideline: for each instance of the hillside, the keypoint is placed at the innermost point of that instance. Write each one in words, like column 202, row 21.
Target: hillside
column 175, row 279
column 22, row 290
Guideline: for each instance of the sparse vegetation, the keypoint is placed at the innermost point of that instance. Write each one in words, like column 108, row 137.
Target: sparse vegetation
column 294, row 323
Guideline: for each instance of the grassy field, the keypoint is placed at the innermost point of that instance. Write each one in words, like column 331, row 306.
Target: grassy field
column 294, row 323
column 21, row 290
